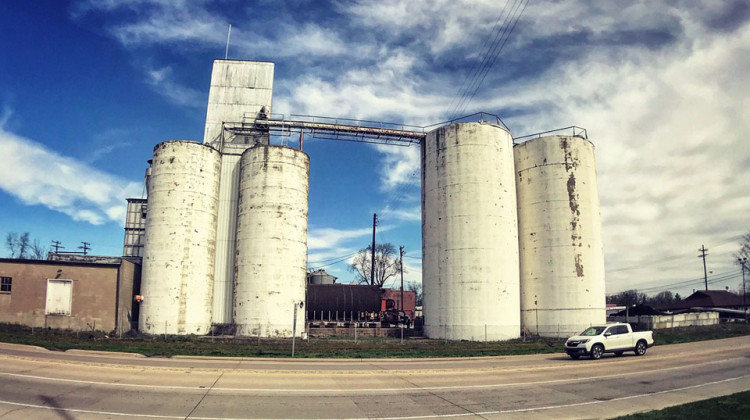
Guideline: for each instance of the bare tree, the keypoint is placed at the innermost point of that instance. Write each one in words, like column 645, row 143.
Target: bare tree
column 627, row 298
column 386, row 264
column 744, row 251
column 38, row 251
column 11, row 242
column 24, row 245
column 417, row 289
column 661, row 299
column 20, row 246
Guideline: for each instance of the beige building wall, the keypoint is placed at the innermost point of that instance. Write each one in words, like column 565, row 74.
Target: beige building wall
column 100, row 299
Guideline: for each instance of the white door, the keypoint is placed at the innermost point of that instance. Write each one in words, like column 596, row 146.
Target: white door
column 59, row 297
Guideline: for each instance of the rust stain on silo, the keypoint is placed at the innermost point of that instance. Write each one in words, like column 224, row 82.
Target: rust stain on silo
column 579, row 266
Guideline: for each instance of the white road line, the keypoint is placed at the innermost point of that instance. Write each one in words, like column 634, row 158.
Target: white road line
column 370, row 390
column 483, row 413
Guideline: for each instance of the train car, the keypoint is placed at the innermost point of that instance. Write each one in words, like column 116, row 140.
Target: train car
column 352, row 303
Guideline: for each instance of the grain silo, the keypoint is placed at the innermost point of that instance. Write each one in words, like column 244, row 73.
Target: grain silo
column 469, row 233
column 271, row 251
column 560, row 237
column 178, row 263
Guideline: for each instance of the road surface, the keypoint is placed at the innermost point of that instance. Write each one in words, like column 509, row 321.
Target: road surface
column 40, row 384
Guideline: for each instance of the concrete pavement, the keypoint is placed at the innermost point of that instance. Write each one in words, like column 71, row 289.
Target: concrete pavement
column 37, row 383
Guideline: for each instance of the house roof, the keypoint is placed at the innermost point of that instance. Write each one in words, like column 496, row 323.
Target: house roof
column 638, row 310
column 709, row 298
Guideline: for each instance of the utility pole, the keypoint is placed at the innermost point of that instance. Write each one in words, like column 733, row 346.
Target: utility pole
column 704, row 252
column 85, row 247
column 372, row 258
column 742, row 262
column 57, row 245
column 401, row 251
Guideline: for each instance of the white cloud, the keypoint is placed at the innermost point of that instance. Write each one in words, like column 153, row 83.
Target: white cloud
column 162, row 81
column 159, row 21
column 328, row 238
column 401, row 165
column 662, row 93
column 387, row 91
column 39, row 176
column 439, row 24
column 406, row 214
column 670, row 129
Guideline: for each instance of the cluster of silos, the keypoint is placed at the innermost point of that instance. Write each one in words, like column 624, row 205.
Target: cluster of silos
column 226, row 228
column 511, row 235
column 181, row 231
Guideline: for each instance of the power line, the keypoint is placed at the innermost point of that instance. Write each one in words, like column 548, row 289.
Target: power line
column 476, row 65
column 340, row 260
column 672, row 258
column 729, row 275
column 473, row 77
column 494, row 51
column 333, row 258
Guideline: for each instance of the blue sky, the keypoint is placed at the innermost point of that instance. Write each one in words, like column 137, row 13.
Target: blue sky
column 87, row 88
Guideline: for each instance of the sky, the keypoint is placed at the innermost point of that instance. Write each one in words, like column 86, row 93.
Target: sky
column 87, row 88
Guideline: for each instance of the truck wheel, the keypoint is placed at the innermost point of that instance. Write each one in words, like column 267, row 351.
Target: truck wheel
column 618, row 353
column 640, row 348
column 597, row 351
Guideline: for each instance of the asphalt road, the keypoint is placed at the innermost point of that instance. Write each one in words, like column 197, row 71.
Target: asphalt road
column 40, row 384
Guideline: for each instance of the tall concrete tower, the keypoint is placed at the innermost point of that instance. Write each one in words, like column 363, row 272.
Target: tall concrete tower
column 239, row 91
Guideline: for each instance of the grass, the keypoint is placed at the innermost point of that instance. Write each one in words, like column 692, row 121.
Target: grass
column 690, row 334
column 323, row 347
column 735, row 406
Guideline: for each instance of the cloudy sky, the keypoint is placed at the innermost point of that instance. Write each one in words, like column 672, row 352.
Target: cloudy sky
column 87, row 88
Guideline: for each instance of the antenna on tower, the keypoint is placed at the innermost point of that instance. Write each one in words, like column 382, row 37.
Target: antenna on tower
column 229, row 32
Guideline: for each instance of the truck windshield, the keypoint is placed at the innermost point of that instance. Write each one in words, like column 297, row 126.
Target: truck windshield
column 593, row 331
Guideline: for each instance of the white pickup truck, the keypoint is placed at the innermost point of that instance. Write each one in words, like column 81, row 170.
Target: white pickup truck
column 610, row 338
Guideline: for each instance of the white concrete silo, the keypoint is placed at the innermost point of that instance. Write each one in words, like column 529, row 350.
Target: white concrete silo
column 560, row 236
column 469, row 233
column 271, row 251
column 178, row 263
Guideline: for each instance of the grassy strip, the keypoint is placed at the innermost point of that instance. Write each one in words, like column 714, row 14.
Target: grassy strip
column 690, row 334
column 327, row 347
column 735, row 406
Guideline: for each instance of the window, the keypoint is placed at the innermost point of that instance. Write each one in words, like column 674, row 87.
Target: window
column 59, row 297
column 5, row 284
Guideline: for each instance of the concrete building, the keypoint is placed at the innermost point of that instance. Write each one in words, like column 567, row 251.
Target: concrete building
column 81, row 293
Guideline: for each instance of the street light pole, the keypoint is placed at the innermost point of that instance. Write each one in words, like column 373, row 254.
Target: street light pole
column 294, row 323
